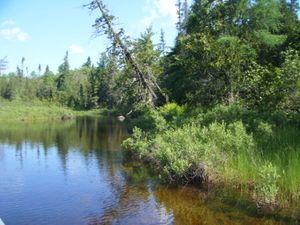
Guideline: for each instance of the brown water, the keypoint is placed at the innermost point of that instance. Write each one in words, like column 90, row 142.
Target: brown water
column 74, row 172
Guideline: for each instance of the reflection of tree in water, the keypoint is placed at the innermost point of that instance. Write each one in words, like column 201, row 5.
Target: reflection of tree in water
column 19, row 153
column 2, row 153
column 95, row 139
column 135, row 202
column 129, row 199
column 89, row 136
column 62, row 149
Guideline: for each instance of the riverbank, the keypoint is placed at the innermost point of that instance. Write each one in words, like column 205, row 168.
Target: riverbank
column 254, row 152
column 39, row 111
column 81, row 159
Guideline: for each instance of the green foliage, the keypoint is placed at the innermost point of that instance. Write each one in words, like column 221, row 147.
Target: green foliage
column 269, row 39
column 177, row 150
column 172, row 111
column 137, row 143
column 271, row 88
column 220, row 141
column 264, row 130
column 83, row 88
column 234, row 52
column 290, row 79
column 267, row 184
column 150, row 120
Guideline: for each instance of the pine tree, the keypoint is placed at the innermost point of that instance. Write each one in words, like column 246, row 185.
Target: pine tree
column 179, row 16
column 40, row 70
column 63, row 70
column 22, row 72
column 88, row 63
column 162, row 44
column 47, row 70
column 65, row 66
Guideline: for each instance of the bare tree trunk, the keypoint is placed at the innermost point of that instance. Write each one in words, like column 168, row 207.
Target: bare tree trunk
column 146, row 85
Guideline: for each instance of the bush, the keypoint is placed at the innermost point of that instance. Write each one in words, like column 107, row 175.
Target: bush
column 172, row 111
column 266, row 186
column 264, row 133
column 178, row 150
column 137, row 143
column 150, row 120
column 229, row 114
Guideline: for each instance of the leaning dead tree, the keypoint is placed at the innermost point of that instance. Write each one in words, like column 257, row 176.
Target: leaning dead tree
column 104, row 25
column 3, row 65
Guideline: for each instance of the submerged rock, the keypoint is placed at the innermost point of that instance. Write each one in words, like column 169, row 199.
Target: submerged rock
column 121, row 118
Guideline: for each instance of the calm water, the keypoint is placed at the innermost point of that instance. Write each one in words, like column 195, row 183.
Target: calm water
column 74, row 173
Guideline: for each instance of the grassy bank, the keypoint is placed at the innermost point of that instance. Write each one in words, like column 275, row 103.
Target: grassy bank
column 37, row 111
column 255, row 152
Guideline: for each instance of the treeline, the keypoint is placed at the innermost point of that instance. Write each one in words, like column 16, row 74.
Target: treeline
column 226, row 52
column 109, row 83
column 82, row 88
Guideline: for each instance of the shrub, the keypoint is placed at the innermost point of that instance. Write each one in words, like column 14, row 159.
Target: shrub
column 178, row 150
column 266, row 186
column 220, row 113
column 137, row 143
column 264, row 133
column 151, row 120
column 172, row 111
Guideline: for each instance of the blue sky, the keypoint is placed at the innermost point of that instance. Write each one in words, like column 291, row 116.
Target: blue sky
column 43, row 30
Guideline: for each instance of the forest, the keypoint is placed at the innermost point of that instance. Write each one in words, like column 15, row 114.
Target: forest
column 221, row 107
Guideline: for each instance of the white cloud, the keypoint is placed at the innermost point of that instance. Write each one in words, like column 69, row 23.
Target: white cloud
column 14, row 33
column 76, row 49
column 167, row 8
column 22, row 36
column 10, row 31
column 8, row 23
column 160, row 9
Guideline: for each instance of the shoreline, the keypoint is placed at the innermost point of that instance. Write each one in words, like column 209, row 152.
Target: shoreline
column 16, row 111
column 227, row 145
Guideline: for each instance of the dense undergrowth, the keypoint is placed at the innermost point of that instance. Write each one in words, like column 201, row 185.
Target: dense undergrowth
column 258, row 152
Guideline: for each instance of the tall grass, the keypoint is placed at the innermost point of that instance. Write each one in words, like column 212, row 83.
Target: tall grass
column 283, row 150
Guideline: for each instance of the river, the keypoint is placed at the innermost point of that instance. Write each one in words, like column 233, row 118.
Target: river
column 74, row 173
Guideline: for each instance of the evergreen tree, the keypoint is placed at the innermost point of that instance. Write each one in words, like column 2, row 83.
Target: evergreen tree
column 63, row 70
column 162, row 44
column 40, row 70
column 88, row 63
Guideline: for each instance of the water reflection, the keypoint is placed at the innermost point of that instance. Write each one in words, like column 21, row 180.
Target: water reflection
column 74, row 172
